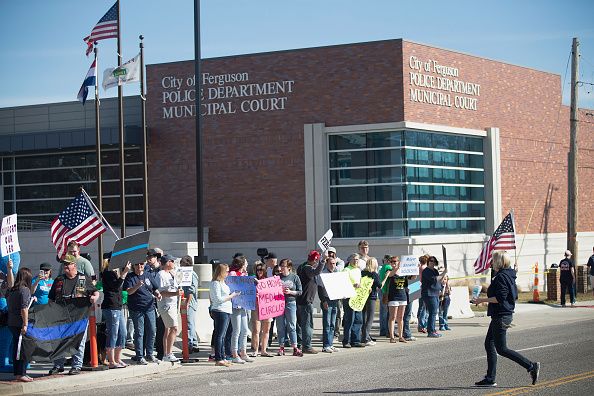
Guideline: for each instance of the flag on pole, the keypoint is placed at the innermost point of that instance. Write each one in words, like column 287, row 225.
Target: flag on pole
column 128, row 72
column 106, row 28
column 89, row 81
column 504, row 238
column 77, row 222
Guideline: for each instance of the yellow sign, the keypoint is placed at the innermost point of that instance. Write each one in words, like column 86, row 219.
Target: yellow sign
column 361, row 294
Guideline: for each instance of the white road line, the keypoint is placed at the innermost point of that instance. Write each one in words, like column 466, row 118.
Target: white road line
column 522, row 350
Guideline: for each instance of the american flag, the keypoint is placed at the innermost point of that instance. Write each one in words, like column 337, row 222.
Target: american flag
column 504, row 238
column 78, row 222
column 106, row 28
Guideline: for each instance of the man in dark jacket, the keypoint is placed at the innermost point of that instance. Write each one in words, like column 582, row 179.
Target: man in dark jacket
column 307, row 273
column 567, row 278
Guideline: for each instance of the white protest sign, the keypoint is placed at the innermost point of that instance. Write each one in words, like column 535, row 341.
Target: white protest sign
column 183, row 276
column 326, row 240
column 8, row 233
column 338, row 285
column 409, row 265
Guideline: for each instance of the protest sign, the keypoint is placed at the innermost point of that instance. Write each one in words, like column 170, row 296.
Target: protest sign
column 271, row 299
column 183, row 276
column 445, row 259
column 338, row 285
column 409, row 265
column 10, row 240
column 357, row 303
column 247, row 287
column 132, row 248
column 414, row 290
column 326, row 240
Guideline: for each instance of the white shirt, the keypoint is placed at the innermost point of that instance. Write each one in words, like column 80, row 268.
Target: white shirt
column 167, row 282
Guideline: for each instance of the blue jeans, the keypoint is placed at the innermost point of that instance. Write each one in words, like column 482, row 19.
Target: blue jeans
column 240, row 329
column 565, row 287
column 306, row 323
column 432, row 306
column 496, row 343
column 328, row 323
column 192, row 336
column 383, row 315
column 352, row 322
column 406, row 326
column 444, row 306
column 115, row 328
column 77, row 358
column 144, row 322
column 422, row 315
column 286, row 324
column 221, row 322
column 368, row 315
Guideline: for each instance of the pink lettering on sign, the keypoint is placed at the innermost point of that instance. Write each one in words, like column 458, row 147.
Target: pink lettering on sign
column 271, row 299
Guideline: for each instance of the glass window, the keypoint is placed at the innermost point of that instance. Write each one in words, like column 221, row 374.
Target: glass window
column 366, row 176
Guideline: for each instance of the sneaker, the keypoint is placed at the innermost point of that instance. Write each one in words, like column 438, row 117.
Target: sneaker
column 486, row 383
column 152, row 359
column 411, row 338
column 237, row 360
column 56, row 370
column 534, row 371
column 327, row 350
column 447, row 328
column 346, row 346
column 142, row 362
column 74, row 371
column 370, row 343
column 297, row 352
column 170, row 358
column 358, row 345
column 434, row 335
column 281, row 351
column 130, row 346
column 441, row 328
column 228, row 358
column 334, row 349
column 211, row 358
column 310, row 351
column 573, row 304
column 424, row 331
column 247, row 359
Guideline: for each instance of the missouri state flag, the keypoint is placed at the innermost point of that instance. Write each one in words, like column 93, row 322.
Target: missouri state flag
column 89, row 81
column 55, row 330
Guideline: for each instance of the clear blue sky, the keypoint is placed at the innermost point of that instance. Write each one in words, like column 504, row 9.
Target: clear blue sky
column 42, row 53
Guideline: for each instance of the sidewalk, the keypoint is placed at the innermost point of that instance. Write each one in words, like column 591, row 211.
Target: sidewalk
column 527, row 316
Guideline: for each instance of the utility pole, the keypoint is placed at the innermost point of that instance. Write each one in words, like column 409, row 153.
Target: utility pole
column 572, row 196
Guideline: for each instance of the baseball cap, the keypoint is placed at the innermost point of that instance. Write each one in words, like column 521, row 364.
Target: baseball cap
column 313, row 255
column 156, row 252
column 167, row 258
column 332, row 249
column 45, row 266
column 68, row 259
column 271, row 255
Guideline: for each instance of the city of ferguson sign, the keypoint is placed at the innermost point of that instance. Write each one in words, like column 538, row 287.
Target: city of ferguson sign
column 222, row 94
column 433, row 83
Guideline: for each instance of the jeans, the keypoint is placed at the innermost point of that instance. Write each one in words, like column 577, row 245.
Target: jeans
column 159, row 337
column 443, row 312
column 352, row 322
column 338, row 317
column 221, row 323
column 192, row 336
column 129, row 325
column 240, row 328
column 19, row 366
column 286, row 324
column 383, row 315
column 422, row 315
column 368, row 315
column 406, row 326
column 306, row 322
column 115, row 328
column 144, row 322
column 568, row 286
column 432, row 306
column 77, row 358
column 495, row 343
column 228, row 336
column 328, row 323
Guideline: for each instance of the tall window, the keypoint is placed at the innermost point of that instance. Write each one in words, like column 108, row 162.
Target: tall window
column 39, row 186
column 405, row 183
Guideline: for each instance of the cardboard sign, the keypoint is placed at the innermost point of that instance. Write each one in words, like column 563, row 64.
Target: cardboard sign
column 337, row 285
column 326, row 240
column 414, row 290
column 10, row 240
column 409, row 265
column 131, row 248
column 183, row 276
column 357, row 303
column 247, row 287
column 271, row 299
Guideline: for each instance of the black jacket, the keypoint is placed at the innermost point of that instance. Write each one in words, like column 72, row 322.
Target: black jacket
column 503, row 287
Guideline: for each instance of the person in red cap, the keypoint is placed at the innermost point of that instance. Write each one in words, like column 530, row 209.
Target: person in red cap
column 307, row 273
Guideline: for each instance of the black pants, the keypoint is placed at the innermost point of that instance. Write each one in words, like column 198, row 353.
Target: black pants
column 159, row 338
column 19, row 367
column 568, row 287
column 496, row 343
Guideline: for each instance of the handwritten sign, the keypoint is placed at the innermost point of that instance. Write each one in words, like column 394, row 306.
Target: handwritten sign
column 357, row 303
column 183, row 276
column 247, row 287
column 8, row 233
column 271, row 299
column 409, row 265
column 337, row 285
column 326, row 240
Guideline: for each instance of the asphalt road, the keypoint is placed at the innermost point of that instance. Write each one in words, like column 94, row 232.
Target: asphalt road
column 446, row 366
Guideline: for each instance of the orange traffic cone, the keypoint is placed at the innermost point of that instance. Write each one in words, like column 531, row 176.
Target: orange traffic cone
column 535, row 295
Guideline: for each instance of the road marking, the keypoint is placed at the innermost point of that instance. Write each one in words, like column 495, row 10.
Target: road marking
column 522, row 350
column 548, row 384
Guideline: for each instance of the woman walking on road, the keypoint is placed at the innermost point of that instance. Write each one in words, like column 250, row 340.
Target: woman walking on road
column 501, row 296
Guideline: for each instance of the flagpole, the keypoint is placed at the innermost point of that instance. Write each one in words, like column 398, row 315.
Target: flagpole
column 201, row 258
column 98, row 155
column 103, row 219
column 144, row 137
column 121, row 134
